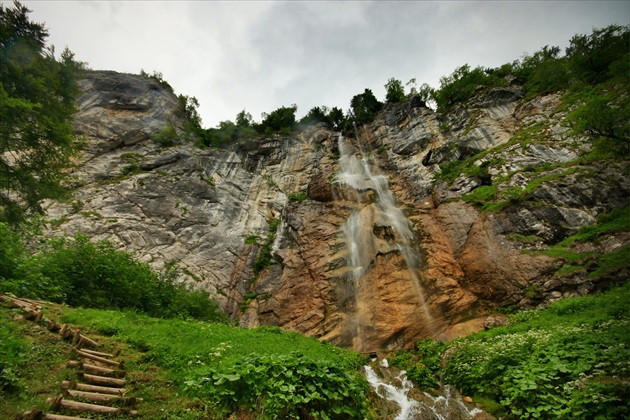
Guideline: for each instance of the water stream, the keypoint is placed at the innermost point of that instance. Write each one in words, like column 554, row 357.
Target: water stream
column 448, row 405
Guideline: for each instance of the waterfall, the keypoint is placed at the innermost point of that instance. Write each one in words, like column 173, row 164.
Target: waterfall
column 374, row 207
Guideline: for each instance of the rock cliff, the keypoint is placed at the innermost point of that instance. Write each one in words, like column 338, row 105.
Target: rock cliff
column 441, row 219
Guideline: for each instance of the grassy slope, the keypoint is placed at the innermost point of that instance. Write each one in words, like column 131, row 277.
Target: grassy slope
column 165, row 359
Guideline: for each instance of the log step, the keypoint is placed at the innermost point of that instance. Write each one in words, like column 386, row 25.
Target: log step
column 97, row 370
column 79, row 340
column 93, row 388
column 101, row 398
column 40, row 415
column 59, row 402
column 100, row 353
column 119, row 364
column 103, row 380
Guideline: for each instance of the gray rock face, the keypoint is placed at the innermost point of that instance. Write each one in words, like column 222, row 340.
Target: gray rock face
column 196, row 208
column 119, row 109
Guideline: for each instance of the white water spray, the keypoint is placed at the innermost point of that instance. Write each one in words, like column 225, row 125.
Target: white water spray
column 374, row 205
column 448, row 406
column 408, row 407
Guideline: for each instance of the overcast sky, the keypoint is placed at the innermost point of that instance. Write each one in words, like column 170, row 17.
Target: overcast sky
column 260, row 55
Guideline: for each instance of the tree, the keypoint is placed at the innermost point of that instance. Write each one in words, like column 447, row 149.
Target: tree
column 336, row 118
column 395, row 91
column 37, row 102
column 244, row 119
column 365, row 106
column 591, row 56
column 316, row 115
column 282, row 119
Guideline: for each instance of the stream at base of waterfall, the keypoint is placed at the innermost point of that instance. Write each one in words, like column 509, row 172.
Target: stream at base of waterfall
column 392, row 385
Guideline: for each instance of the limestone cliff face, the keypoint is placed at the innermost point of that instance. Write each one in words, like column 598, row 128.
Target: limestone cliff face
column 209, row 211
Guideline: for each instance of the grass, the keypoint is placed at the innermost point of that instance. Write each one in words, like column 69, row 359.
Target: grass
column 171, row 363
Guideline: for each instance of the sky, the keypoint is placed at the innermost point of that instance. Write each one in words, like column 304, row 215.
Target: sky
column 260, row 55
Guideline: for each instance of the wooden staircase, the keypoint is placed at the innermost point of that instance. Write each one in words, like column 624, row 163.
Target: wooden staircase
column 101, row 374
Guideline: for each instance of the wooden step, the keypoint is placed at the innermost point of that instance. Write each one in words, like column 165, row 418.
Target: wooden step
column 40, row 415
column 119, row 364
column 79, row 340
column 100, row 353
column 101, row 398
column 58, row 403
column 93, row 388
column 103, row 380
column 97, row 370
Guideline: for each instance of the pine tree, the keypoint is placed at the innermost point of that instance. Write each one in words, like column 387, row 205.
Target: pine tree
column 37, row 102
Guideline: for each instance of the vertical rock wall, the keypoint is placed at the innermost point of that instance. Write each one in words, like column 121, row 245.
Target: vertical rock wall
column 209, row 211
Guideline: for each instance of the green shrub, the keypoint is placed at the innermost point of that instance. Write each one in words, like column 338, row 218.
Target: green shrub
column 81, row 273
column 297, row 197
column 13, row 352
column 238, row 371
column 167, row 136
column 265, row 259
column 569, row 361
column 286, row 386
column 481, row 195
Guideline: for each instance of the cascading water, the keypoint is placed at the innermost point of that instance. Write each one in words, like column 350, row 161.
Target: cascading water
column 447, row 406
column 398, row 395
column 374, row 208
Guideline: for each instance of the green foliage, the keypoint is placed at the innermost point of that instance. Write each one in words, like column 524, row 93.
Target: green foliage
column 282, row 119
column 158, row 77
column 275, row 373
column 598, row 265
column 333, row 118
column 569, row 361
column 265, row 259
column 602, row 112
column 31, row 364
column 99, row 276
column 251, row 239
column 13, row 356
column 481, row 195
column 37, row 104
column 422, row 365
column 188, row 106
column 591, row 57
column 285, row 386
column 542, row 72
column 395, row 91
column 81, row 273
column 167, row 136
column 297, row 197
column 365, row 106
column 612, row 262
column 462, row 84
column 615, row 221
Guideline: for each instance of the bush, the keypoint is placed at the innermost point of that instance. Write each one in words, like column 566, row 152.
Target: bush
column 569, row 361
column 167, row 136
column 462, row 84
column 96, row 275
column 286, row 386
column 265, row 259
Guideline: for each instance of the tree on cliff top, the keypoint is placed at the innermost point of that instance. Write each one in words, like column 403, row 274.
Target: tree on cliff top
column 37, row 102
